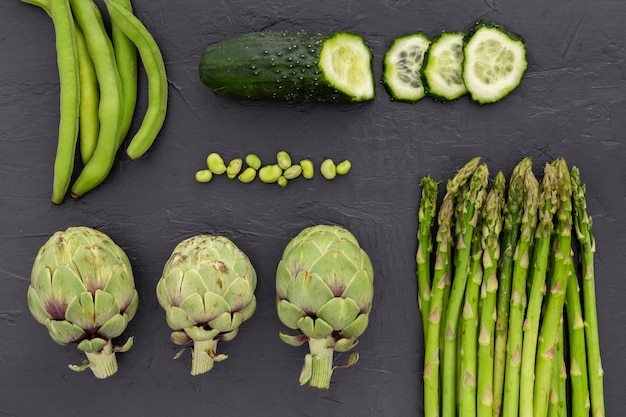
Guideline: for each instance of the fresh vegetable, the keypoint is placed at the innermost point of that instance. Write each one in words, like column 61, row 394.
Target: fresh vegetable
column 548, row 204
column 89, row 101
column 207, row 291
column 82, row 289
column 253, row 161
column 583, row 225
column 270, row 173
column 290, row 65
column 248, row 175
column 495, row 61
column 234, row 168
column 426, row 216
column 283, row 159
column 204, row 175
column 328, row 169
column 154, row 66
column 525, row 239
column 216, row 163
column 402, row 67
column 324, row 291
column 442, row 72
column 308, row 169
column 343, row 167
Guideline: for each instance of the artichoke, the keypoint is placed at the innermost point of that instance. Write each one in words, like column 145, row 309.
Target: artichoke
column 82, row 289
column 324, row 288
column 207, row 291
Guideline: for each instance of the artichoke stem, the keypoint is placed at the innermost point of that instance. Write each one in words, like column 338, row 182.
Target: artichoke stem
column 103, row 364
column 321, row 363
column 202, row 356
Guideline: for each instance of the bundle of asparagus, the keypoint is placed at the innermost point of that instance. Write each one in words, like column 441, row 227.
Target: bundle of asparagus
column 509, row 314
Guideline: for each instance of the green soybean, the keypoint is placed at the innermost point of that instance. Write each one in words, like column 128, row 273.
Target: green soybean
column 248, row 175
column 126, row 60
column 100, row 48
column 343, row 167
column 204, row 175
column 234, row 167
column 154, row 66
column 215, row 163
column 253, row 161
column 283, row 159
column 328, row 169
column 308, row 170
column 270, row 173
column 293, row 172
column 89, row 100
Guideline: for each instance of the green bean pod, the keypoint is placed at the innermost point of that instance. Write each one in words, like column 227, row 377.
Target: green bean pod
column 89, row 19
column 67, row 61
column 154, row 66
column 89, row 121
column 126, row 59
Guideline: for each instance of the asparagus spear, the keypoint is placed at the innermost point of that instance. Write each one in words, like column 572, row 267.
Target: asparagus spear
column 473, row 200
column 469, row 328
column 583, row 226
column 541, row 250
column 491, row 229
column 426, row 216
column 577, row 351
column 560, row 274
column 521, row 263
column 557, row 405
column 512, row 220
column 441, row 283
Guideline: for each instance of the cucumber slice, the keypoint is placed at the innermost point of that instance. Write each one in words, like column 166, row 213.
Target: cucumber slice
column 402, row 67
column 345, row 60
column 443, row 67
column 495, row 62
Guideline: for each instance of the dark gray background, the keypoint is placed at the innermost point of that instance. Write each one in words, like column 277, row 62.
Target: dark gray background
column 571, row 103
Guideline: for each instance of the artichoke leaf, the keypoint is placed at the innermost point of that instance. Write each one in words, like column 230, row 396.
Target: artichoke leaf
column 344, row 345
column 227, row 322
column 296, row 340
column 106, row 307
column 114, row 327
column 361, row 289
column 336, row 269
column 249, row 310
column 126, row 346
column 163, row 295
column 192, row 284
column 339, row 312
column 307, row 369
column 93, row 264
column 238, row 294
column 63, row 332
column 228, row 336
column 92, row 345
column 289, row 313
column 315, row 329
column 214, row 306
column 352, row 359
column 283, row 277
column 65, row 286
column 121, row 286
column 132, row 308
column 194, row 307
column 199, row 333
column 180, row 338
column 173, row 281
column 177, row 318
column 357, row 327
column 81, row 312
column 35, row 306
column 309, row 292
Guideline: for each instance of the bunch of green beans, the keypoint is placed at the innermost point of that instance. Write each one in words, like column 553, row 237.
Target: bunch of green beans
column 98, row 89
column 279, row 172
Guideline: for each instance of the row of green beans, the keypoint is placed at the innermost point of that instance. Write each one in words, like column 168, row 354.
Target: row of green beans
column 98, row 89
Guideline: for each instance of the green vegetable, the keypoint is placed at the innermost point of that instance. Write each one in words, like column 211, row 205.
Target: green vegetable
column 89, row 122
column 204, row 175
column 442, row 72
column 324, row 291
column 100, row 48
column 283, row 159
column 548, row 203
column 215, row 163
column 328, row 169
column 308, row 170
column 561, row 272
column 82, row 289
column 402, row 67
column 154, row 67
column 495, row 61
column 292, row 172
column 270, row 173
column 583, row 225
column 126, row 60
column 253, row 161
column 290, row 65
column 510, row 232
column 248, row 175
column 426, row 215
column 470, row 201
column 343, row 167
column 282, row 181
column 491, row 230
column 517, row 305
column 207, row 291
column 234, row 167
